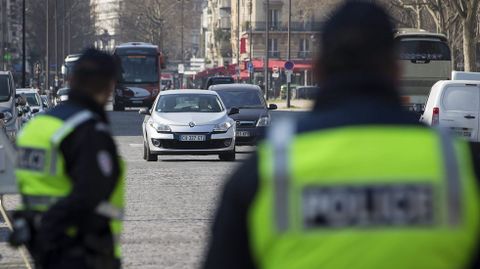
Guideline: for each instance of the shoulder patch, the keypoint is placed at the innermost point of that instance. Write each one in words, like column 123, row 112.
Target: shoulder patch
column 105, row 163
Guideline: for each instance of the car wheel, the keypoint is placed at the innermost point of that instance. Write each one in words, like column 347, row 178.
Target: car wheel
column 227, row 156
column 147, row 155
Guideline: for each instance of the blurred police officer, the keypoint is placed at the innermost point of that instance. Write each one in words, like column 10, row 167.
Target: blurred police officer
column 70, row 175
column 358, row 183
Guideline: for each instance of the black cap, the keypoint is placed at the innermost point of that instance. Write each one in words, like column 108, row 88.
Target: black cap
column 359, row 35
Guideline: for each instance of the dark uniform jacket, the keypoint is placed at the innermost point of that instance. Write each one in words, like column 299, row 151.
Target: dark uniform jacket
column 356, row 100
column 93, row 180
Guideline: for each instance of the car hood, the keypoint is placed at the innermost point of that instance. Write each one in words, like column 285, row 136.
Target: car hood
column 183, row 119
column 250, row 114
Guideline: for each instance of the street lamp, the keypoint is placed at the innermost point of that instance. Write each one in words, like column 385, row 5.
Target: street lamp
column 24, row 50
column 267, row 39
column 289, row 48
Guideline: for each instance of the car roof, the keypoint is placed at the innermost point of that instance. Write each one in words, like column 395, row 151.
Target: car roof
column 234, row 86
column 187, row 91
column 27, row 90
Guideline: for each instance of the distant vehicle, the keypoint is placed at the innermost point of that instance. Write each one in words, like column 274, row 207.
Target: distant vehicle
column 192, row 122
column 67, row 67
column 218, row 80
column 34, row 100
column 425, row 58
column 458, row 75
column 139, row 81
column 9, row 101
column 45, row 100
column 167, row 81
column 62, row 96
column 253, row 116
column 455, row 104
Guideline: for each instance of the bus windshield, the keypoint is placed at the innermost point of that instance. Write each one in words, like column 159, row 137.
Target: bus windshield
column 139, row 68
column 424, row 50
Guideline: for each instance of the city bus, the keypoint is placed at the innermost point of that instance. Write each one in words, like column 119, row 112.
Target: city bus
column 67, row 67
column 140, row 75
column 425, row 59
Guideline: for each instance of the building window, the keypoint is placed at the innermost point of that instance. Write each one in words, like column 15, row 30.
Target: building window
column 304, row 48
column 273, row 48
column 274, row 18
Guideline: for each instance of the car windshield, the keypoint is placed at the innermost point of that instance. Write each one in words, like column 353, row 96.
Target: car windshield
column 32, row 99
column 242, row 99
column 203, row 103
column 4, row 88
column 63, row 91
column 139, row 69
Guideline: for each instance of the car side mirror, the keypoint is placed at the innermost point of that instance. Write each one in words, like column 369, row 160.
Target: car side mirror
column 2, row 115
column 272, row 107
column 233, row 111
column 144, row 111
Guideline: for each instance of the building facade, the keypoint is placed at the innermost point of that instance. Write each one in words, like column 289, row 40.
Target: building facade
column 216, row 28
column 107, row 16
column 10, row 33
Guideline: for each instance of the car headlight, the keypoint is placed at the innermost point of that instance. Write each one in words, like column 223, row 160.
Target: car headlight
column 222, row 127
column 263, row 121
column 7, row 116
column 161, row 128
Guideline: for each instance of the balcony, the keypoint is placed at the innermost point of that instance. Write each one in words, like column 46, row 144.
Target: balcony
column 283, row 26
column 304, row 54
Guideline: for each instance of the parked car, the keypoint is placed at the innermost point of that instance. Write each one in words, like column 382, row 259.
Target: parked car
column 45, row 101
column 188, row 122
column 62, row 96
column 455, row 104
column 254, row 114
column 9, row 101
column 218, row 80
column 33, row 99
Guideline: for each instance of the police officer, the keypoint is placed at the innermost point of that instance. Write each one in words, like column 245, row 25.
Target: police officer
column 70, row 176
column 358, row 183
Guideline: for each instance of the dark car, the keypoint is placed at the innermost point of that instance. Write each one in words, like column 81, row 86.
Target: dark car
column 218, row 80
column 254, row 114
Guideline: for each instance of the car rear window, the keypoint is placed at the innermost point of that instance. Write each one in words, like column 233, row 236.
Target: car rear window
column 424, row 50
column 242, row 99
column 4, row 88
column 463, row 98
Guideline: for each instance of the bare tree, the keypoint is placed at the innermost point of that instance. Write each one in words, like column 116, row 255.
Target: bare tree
column 468, row 11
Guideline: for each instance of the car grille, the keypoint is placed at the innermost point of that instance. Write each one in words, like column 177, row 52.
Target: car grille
column 209, row 144
column 246, row 123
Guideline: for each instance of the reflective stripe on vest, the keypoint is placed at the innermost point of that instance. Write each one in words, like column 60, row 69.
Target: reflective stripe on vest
column 378, row 196
column 104, row 209
column 69, row 125
column 281, row 135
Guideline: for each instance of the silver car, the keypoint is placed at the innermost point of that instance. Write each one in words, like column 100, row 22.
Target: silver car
column 189, row 122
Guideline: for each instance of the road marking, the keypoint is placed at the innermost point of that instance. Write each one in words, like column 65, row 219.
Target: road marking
column 136, row 145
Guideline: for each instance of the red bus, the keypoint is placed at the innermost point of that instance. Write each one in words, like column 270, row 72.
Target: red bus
column 139, row 82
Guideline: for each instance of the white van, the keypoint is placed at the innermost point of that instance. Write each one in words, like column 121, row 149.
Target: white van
column 455, row 104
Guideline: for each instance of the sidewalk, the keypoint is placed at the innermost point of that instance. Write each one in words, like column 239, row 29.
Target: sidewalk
column 296, row 104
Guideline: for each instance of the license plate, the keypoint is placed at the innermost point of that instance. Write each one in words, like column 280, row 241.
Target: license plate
column 463, row 132
column 242, row 133
column 137, row 102
column 192, row 138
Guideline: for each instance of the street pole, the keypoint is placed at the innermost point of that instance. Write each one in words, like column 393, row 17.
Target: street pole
column 182, row 44
column 251, row 39
column 267, row 39
column 24, row 48
column 56, row 41
column 289, row 48
column 238, row 41
column 63, row 28
column 47, row 47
